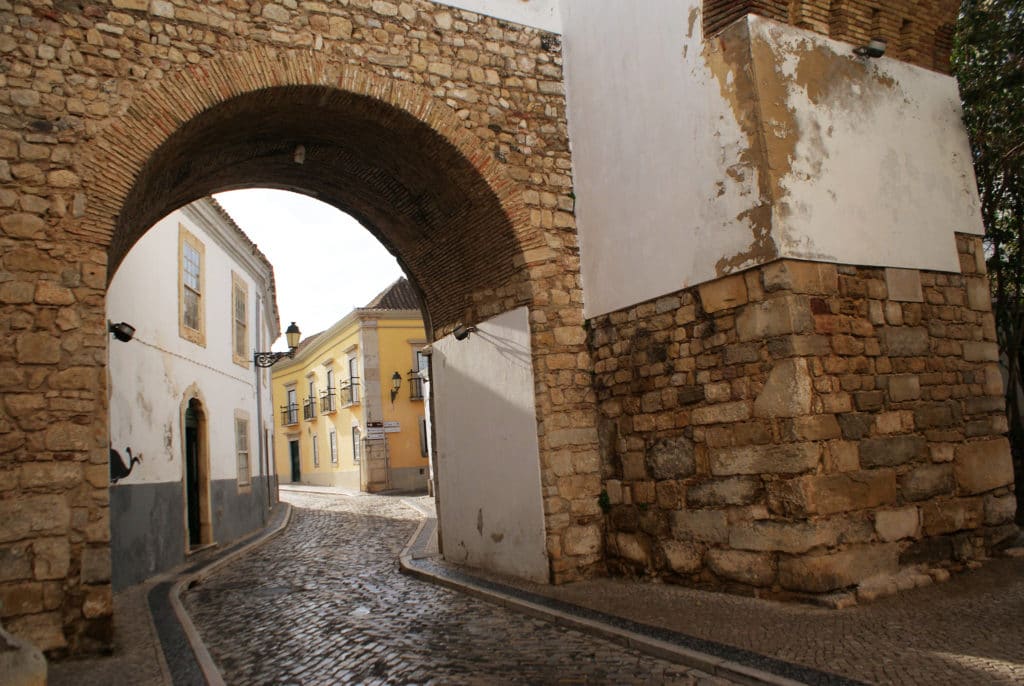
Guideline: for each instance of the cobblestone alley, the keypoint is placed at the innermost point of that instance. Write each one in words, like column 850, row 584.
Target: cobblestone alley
column 325, row 603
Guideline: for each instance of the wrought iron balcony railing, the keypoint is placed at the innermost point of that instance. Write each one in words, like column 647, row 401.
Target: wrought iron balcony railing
column 349, row 393
column 289, row 414
column 328, row 402
column 309, row 408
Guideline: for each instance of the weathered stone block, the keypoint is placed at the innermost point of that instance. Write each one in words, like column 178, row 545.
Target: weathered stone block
column 633, row 547
column 51, row 558
column 891, row 451
column 577, row 540
column 51, row 474
column 95, row 565
column 724, row 293
column 904, row 341
column 782, row 536
column 819, row 427
column 979, row 297
column 775, row 317
column 738, row 490
column 688, row 395
column 930, row 551
column 37, row 348
column 831, row 493
column 904, row 285
column 755, row 569
column 711, row 526
column 855, row 426
column 41, row 514
column 892, row 525
column 818, row 278
column 683, row 558
column 823, row 573
column 721, row 413
column 983, row 465
column 788, row 458
column 671, row 458
column 788, row 391
column 21, row 599
column 927, row 481
column 981, row 351
column 1000, row 509
column 14, row 562
column 904, row 387
column 947, row 516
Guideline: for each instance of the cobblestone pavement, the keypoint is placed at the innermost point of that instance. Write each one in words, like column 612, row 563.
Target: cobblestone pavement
column 324, row 603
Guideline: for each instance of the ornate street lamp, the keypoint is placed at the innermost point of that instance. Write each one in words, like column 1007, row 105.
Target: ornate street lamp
column 292, row 334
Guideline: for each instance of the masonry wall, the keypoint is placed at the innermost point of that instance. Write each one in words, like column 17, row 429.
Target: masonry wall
column 802, row 427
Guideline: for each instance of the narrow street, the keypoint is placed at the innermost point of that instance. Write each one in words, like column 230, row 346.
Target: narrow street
column 325, row 603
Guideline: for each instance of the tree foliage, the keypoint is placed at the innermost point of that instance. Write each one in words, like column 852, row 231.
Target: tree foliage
column 988, row 60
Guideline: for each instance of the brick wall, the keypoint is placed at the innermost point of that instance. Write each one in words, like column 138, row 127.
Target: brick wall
column 917, row 32
column 801, row 427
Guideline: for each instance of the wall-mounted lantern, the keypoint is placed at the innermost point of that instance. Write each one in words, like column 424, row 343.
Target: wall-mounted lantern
column 396, row 383
column 292, row 334
column 122, row 331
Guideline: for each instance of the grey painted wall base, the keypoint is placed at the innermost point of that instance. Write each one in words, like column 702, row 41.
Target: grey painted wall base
column 410, row 478
column 147, row 524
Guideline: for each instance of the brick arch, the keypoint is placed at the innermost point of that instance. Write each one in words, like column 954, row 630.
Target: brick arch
column 388, row 152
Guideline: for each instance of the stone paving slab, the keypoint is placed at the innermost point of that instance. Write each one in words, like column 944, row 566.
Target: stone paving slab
column 325, row 603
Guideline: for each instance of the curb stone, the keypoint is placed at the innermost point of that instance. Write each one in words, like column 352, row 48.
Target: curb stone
column 638, row 637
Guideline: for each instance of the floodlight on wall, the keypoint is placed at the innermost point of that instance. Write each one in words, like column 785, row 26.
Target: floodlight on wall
column 122, row 331
column 396, row 383
column 875, row 48
column 462, row 332
column 292, row 334
column 300, row 154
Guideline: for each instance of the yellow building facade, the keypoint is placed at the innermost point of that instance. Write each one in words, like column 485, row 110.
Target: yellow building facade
column 350, row 406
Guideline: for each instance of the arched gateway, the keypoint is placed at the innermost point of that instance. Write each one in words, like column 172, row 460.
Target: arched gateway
column 785, row 376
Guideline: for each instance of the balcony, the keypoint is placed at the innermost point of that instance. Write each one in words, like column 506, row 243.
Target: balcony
column 289, row 414
column 309, row 408
column 328, row 402
column 415, row 387
column 349, row 393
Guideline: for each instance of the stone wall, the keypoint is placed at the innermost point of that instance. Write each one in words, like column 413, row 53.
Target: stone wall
column 442, row 130
column 802, row 427
column 916, row 32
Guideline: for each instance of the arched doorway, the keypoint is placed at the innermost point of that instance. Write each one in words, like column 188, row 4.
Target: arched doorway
column 197, row 476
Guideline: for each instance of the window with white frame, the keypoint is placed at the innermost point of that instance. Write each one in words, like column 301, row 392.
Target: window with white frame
column 242, row 448
column 356, row 453
column 316, row 452
column 333, row 437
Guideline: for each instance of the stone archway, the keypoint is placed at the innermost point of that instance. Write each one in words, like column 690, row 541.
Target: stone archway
column 485, row 151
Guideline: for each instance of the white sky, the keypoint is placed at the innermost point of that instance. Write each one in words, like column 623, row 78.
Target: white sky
column 325, row 263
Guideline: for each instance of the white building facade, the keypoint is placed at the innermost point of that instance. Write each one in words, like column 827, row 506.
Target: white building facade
column 185, row 396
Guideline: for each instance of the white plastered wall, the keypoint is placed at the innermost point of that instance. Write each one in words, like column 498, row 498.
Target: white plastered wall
column 541, row 14
column 663, row 178
column 488, row 457
column 150, row 374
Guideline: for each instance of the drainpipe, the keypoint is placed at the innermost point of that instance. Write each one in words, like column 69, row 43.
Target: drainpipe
column 259, row 410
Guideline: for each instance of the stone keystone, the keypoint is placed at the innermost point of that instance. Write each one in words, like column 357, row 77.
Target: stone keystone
column 787, row 392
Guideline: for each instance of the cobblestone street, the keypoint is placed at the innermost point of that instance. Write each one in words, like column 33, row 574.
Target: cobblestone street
column 325, row 603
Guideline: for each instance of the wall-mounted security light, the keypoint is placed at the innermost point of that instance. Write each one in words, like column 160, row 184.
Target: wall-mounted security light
column 396, row 383
column 874, row 48
column 462, row 332
column 292, row 334
column 299, row 156
column 122, row 331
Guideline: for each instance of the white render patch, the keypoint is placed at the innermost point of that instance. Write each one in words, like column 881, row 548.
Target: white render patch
column 488, row 455
column 540, row 14
column 873, row 168
column 881, row 174
column 657, row 151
